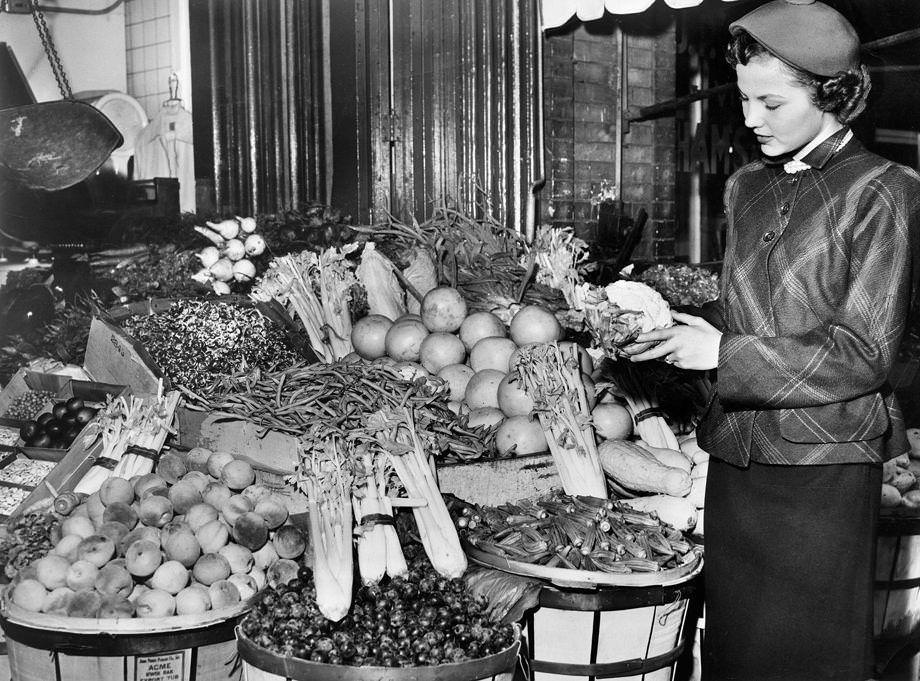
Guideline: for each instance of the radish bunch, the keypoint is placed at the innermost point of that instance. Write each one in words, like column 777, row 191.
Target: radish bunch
column 234, row 241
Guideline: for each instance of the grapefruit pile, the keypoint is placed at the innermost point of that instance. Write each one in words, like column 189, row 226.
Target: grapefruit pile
column 472, row 354
column 199, row 534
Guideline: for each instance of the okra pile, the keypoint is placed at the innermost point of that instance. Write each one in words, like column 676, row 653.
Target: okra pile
column 197, row 342
column 576, row 532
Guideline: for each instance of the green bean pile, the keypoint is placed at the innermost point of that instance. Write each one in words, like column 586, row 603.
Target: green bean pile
column 317, row 401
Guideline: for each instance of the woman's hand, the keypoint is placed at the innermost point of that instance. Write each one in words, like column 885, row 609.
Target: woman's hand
column 692, row 343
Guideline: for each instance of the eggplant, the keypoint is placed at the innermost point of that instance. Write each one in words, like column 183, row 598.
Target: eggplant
column 29, row 430
column 59, row 410
column 84, row 415
column 44, row 418
column 54, row 428
column 74, row 404
column 40, row 440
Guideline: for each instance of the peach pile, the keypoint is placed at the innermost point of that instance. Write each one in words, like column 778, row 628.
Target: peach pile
column 196, row 535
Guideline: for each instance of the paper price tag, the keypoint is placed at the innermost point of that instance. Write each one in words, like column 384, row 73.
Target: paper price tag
column 166, row 667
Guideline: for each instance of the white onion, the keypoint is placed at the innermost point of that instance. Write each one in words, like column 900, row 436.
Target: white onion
column 220, row 288
column 209, row 255
column 255, row 244
column 235, row 250
column 228, row 228
column 248, row 225
column 222, row 270
column 244, row 270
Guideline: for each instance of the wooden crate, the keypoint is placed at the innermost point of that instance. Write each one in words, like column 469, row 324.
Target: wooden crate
column 64, row 388
column 17, row 485
column 492, row 482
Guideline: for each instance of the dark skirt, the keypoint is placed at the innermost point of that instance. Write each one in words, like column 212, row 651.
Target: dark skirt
column 790, row 562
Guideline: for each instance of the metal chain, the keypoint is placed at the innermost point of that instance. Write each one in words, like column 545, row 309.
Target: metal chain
column 48, row 43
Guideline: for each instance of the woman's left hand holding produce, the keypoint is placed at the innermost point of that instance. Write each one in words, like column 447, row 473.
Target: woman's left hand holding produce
column 692, row 343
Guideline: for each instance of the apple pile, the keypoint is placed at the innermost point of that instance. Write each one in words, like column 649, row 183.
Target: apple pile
column 472, row 353
column 196, row 535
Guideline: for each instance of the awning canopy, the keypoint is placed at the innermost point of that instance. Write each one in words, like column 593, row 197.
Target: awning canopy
column 556, row 12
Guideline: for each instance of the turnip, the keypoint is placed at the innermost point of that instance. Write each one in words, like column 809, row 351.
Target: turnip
column 208, row 256
column 222, row 270
column 244, row 270
column 248, row 225
column 221, row 288
column 235, row 250
column 255, row 244
column 228, row 229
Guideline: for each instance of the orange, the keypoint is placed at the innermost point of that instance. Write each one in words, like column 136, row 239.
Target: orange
column 456, row 376
column 481, row 325
column 440, row 349
column 482, row 390
column 612, row 421
column 512, row 399
column 521, row 434
column 443, row 309
column 492, row 352
column 535, row 324
column 368, row 335
column 403, row 340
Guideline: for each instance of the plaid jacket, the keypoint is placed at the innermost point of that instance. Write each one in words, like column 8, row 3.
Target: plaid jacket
column 816, row 290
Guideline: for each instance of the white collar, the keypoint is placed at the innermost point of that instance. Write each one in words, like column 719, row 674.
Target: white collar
column 804, row 151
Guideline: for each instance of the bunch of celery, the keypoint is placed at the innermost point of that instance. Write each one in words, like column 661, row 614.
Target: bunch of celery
column 132, row 430
column 325, row 476
column 552, row 378
column 317, row 289
column 396, row 433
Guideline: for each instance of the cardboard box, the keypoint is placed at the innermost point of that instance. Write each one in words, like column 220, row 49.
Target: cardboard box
column 221, row 432
column 112, row 356
column 273, row 455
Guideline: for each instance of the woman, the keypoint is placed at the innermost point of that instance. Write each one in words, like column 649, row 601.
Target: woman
column 815, row 293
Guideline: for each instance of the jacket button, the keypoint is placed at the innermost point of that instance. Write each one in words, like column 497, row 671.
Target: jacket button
column 768, row 237
column 784, row 208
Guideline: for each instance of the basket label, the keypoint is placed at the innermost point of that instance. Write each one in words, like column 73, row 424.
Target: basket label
column 167, row 667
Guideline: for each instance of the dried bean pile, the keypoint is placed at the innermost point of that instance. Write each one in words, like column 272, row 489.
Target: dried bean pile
column 583, row 533
column 197, row 342
column 28, row 405
column 336, row 399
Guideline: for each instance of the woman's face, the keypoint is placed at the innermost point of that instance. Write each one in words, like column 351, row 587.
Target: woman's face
column 776, row 108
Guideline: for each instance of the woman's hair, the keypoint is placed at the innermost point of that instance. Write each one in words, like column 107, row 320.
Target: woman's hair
column 843, row 94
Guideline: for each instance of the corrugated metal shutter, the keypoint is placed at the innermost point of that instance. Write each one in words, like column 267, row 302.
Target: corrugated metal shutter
column 432, row 102
column 264, row 66
column 458, row 127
